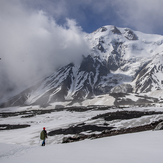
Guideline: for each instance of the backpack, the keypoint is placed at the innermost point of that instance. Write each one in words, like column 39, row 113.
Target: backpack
column 42, row 135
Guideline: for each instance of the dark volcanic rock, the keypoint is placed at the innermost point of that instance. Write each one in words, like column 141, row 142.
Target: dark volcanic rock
column 11, row 127
column 115, row 30
column 124, row 115
column 107, row 133
column 78, row 129
column 129, row 34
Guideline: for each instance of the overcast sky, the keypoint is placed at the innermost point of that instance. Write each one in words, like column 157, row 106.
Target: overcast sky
column 37, row 36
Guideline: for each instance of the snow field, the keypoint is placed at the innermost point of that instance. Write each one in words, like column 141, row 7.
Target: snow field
column 139, row 147
column 24, row 146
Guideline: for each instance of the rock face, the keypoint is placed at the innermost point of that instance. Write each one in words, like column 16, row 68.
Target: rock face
column 123, row 88
column 120, row 61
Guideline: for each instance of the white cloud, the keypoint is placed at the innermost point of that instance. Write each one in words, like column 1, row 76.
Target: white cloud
column 32, row 44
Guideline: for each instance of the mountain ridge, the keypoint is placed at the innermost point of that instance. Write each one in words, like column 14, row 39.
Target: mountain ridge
column 120, row 61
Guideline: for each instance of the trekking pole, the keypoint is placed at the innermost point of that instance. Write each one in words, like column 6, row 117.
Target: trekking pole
column 47, row 141
column 39, row 138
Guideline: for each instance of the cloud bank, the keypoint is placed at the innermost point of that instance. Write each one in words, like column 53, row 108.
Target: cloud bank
column 33, row 45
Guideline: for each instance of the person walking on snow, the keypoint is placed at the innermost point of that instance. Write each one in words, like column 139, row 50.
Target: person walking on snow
column 43, row 136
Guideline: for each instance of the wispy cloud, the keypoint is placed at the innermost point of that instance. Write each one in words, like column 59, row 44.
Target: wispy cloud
column 141, row 15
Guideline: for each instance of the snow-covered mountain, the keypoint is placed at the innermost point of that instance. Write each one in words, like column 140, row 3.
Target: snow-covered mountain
column 120, row 61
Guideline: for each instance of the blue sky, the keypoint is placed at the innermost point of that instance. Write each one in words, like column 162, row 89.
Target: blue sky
column 142, row 15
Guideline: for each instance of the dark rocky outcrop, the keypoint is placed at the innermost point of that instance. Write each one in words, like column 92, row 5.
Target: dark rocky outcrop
column 113, row 132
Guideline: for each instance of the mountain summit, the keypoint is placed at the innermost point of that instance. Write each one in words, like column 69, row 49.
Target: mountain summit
column 120, row 61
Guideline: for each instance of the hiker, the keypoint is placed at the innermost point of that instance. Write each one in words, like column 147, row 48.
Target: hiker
column 43, row 136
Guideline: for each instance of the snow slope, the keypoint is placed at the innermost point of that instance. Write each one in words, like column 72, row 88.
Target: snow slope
column 142, row 147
